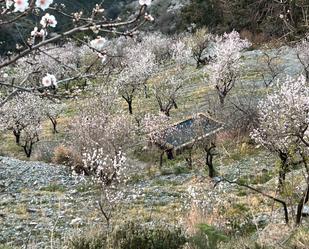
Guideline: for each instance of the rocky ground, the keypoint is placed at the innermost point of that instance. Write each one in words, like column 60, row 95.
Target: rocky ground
column 44, row 203
column 39, row 201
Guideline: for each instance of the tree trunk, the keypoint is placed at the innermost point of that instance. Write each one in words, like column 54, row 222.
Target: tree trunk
column 301, row 203
column 161, row 159
column 222, row 94
column 129, row 102
column 130, row 107
column 146, row 91
column 17, row 136
column 209, row 161
column 283, row 170
column 28, row 149
column 189, row 158
column 222, row 99
column 175, row 104
column 54, row 123
column 166, row 112
column 170, row 155
column 55, row 126
column 307, row 74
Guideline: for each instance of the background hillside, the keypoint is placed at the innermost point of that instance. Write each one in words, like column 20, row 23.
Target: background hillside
column 259, row 21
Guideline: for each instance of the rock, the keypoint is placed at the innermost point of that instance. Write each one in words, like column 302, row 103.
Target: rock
column 31, row 210
column 217, row 179
column 262, row 220
column 305, row 211
column 76, row 222
column 19, row 228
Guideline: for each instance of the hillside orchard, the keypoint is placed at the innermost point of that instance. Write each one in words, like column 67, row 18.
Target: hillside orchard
column 111, row 93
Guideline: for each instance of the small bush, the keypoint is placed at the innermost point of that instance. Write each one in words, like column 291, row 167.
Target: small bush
column 153, row 235
column 300, row 239
column 63, row 155
column 94, row 240
column 44, row 151
column 66, row 156
column 207, row 237
column 180, row 169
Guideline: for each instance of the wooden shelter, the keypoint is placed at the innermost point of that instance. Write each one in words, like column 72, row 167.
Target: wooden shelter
column 184, row 134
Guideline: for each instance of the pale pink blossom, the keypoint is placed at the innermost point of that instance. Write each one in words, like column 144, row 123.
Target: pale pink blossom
column 149, row 17
column 48, row 21
column 36, row 33
column 9, row 3
column 145, row 2
column 43, row 4
column 103, row 57
column 98, row 43
column 20, row 5
column 49, row 80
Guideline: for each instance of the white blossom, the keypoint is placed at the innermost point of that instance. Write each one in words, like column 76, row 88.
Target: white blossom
column 145, row 2
column 49, row 80
column 23, row 115
column 36, row 33
column 149, row 17
column 98, row 43
column 48, row 21
column 43, row 4
column 9, row 3
column 20, row 5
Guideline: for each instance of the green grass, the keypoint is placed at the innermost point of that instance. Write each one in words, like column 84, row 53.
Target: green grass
column 54, row 187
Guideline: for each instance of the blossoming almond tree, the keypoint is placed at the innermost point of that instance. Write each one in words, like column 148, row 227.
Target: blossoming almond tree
column 102, row 137
column 170, row 77
column 283, row 129
column 139, row 64
column 52, row 110
column 23, row 116
column 201, row 42
column 224, row 70
column 166, row 90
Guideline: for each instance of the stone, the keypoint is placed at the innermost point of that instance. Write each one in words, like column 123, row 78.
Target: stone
column 31, row 210
column 262, row 220
column 305, row 211
column 76, row 222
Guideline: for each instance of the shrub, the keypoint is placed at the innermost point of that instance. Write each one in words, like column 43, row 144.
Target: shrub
column 152, row 235
column 181, row 169
column 66, row 156
column 44, row 151
column 96, row 240
column 300, row 239
column 207, row 237
column 243, row 243
column 63, row 155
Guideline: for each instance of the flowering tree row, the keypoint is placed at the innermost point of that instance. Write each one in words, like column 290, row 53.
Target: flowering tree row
column 24, row 115
column 43, row 35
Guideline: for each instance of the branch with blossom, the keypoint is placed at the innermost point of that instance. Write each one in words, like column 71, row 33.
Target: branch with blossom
column 40, row 37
